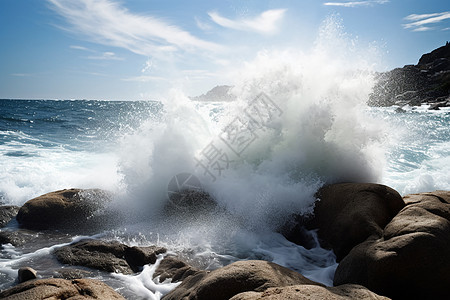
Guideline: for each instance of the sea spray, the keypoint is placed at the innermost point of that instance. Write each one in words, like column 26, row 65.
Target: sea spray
column 321, row 135
column 315, row 131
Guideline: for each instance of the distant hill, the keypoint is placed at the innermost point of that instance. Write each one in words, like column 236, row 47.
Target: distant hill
column 218, row 93
column 426, row 82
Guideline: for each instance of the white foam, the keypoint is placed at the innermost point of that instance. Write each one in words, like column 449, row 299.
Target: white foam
column 144, row 286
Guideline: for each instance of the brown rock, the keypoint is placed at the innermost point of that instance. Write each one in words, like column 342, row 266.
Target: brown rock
column 55, row 288
column 96, row 254
column 312, row 292
column 66, row 208
column 349, row 213
column 136, row 257
column 26, row 273
column 175, row 269
column 109, row 256
column 412, row 258
column 238, row 277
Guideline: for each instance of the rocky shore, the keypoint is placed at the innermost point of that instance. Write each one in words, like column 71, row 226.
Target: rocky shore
column 427, row 82
column 387, row 247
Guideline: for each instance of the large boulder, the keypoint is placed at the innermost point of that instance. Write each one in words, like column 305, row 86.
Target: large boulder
column 7, row 213
column 108, row 256
column 308, row 292
column 412, row 258
column 55, row 288
column 347, row 214
column 238, row 277
column 73, row 208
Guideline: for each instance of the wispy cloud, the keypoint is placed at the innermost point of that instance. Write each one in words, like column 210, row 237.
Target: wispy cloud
column 266, row 23
column 145, row 78
column 356, row 3
column 108, row 23
column 76, row 47
column 105, row 56
column 421, row 22
column 202, row 25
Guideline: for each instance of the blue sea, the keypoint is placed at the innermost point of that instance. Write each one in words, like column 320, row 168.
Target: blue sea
column 135, row 148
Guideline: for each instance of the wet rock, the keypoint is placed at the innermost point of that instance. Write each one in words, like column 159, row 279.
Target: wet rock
column 108, row 256
column 415, row 84
column 137, row 257
column 436, row 106
column 236, row 278
column 7, row 213
column 55, row 288
column 412, row 258
column 347, row 214
column 26, row 273
column 74, row 208
column 95, row 254
column 307, row 292
column 176, row 269
column 69, row 273
column 17, row 237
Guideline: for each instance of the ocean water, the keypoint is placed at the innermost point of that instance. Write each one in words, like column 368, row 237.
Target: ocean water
column 300, row 121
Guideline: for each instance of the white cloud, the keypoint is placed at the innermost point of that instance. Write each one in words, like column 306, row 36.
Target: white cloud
column 266, row 22
column 419, row 22
column 145, row 78
column 108, row 23
column 202, row 25
column 423, row 28
column 356, row 3
column 105, row 56
column 76, row 47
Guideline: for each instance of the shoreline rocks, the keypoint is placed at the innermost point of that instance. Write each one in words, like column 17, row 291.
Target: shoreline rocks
column 108, row 256
column 412, row 258
column 64, row 209
column 427, row 82
column 56, row 288
column 387, row 245
column 346, row 214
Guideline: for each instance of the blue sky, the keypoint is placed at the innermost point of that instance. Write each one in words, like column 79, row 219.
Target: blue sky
column 137, row 49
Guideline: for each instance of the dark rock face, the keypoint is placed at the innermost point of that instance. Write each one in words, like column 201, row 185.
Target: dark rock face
column 236, row 278
column 26, row 273
column 72, row 208
column 425, row 82
column 136, row 257
column 7, row 213
column 308, row 292
column 107, row 256
column 412, row 258
column 55, row 288
column 442, row 52
column 347, row 214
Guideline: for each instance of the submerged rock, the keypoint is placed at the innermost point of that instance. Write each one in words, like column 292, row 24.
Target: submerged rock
column 308, row 292
column 108, row 256
column 73, row 208
column 412, row 258
column 55, row 288
column 238, row 277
